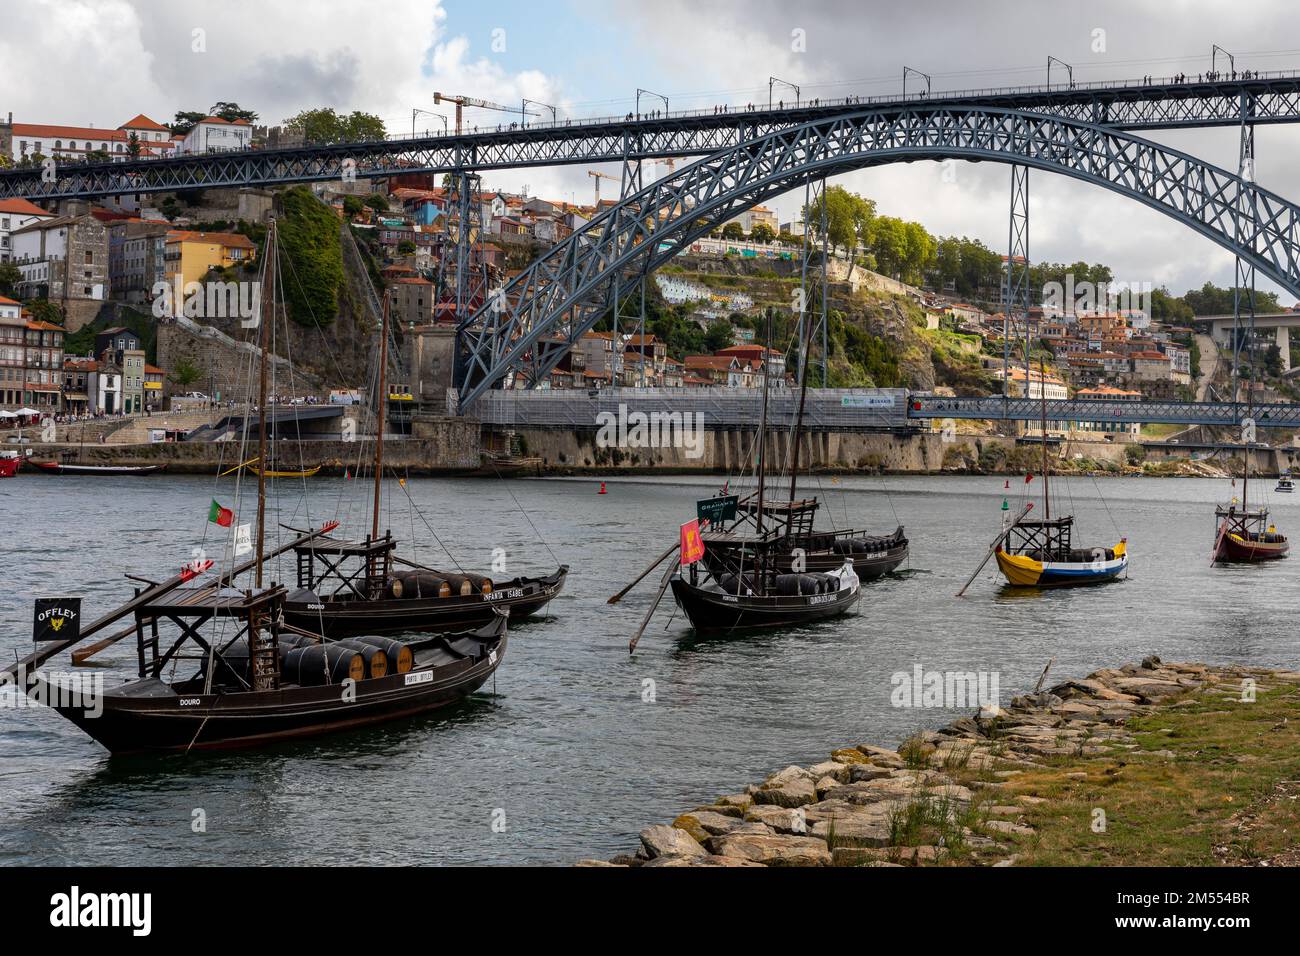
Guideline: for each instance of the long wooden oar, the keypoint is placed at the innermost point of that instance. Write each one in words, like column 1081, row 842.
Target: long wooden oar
column 994, row 547
column 145, row 597
column 245, row 464
column 657, row 561
column 663, row 586
column 83, row 654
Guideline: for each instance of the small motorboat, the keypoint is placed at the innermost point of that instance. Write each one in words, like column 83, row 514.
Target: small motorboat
column 1284, row 483
column 102, row 471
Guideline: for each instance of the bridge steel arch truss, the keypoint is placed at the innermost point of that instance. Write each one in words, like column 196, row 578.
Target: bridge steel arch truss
column 540, row 314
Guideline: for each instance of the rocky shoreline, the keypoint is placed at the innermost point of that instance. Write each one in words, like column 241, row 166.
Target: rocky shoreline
column 947, row 796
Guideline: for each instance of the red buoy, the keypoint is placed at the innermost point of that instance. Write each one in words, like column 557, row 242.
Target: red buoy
column 602, row 489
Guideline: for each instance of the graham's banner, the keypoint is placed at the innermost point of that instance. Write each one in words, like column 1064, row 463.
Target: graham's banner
column 692, row 543
column 57, row 619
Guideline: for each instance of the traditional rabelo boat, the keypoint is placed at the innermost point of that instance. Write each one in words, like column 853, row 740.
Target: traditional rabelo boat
column 356, row 587
column 1039, row 552
column 258, row 678
column 100, row 471
column 731, row 579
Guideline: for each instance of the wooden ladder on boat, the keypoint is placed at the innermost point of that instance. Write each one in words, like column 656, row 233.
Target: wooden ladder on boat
column 263, row 655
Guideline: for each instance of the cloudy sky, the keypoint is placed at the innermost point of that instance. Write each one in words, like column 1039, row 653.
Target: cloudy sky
column 100, row 62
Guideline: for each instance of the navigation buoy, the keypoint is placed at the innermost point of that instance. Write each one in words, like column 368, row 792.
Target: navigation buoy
column 1004, row 505
column 602, row 489
column 1006, row 485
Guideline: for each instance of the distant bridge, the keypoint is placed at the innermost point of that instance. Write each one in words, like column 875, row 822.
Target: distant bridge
column 843, row 409
column 1125, row 105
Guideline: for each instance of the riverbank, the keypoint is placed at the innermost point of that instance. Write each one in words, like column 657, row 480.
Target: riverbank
column 1151, row 764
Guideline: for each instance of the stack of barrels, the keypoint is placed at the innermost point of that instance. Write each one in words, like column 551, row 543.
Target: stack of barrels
column 310, row 663
column 436, row 584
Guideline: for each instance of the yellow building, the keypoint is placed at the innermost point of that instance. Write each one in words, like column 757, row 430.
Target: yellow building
column 193, row 254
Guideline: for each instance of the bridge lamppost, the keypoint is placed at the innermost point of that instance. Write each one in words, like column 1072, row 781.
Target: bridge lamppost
column 1069, row 69
column 523, row 111
column 639, row 93
column 1215, row 50
column 440, row 116
column 924, row 76
column 773, row 80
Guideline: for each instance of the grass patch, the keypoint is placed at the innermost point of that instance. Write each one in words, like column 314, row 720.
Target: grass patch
column 1178, row 799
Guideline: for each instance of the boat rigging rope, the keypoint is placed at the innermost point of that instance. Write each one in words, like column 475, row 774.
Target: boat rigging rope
column 406, row 491
column 527, row 517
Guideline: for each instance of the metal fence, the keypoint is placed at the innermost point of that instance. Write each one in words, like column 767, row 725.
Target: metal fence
column 718, row 408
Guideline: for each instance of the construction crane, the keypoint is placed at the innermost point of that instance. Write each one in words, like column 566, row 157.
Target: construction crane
column 598, row 177
column 462, row 101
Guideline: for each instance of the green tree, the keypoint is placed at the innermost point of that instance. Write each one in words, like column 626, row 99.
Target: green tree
column 230, row 112
column 186, row 373
column 762, row 232
column 406, row 248
column 733, row 230
column 133, row 146
column 185, row 121
column 378, row 202
column 10, row 276
column 324, row 125
column 719, row 335
column 352, row 206
column 309, row 235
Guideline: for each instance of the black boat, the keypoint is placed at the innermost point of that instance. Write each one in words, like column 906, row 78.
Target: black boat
column 347, row 588
column 237, row 700
column 738, row 587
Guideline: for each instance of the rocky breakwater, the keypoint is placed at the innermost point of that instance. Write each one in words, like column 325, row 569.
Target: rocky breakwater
column 958, row 795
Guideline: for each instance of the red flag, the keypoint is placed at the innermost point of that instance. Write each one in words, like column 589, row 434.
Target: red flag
column 692, row 543
column 220, row 515
column 1028, row 478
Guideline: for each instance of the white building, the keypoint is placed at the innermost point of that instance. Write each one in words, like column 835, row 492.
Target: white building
column 104, row 388
column 213, row 134
column 76, row 142
column 14, row 215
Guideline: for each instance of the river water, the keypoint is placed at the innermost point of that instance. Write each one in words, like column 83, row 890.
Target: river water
column 577, row 745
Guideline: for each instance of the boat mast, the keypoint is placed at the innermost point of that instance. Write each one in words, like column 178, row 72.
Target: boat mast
column 268, row 316
column 804, row 341
column 1042, row 396
column 380, row 416
column 762, row 430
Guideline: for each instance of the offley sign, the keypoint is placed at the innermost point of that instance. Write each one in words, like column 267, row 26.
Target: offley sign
column 57, row 619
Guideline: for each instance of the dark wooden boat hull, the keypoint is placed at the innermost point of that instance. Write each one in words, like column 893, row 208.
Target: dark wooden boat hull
column 99, row 471
column 154, row 717
column 713, row 612
column 868, row 565
column 1234, row 548
column 350, row 616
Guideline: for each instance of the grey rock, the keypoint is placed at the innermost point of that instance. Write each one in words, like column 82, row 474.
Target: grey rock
column 659, row 840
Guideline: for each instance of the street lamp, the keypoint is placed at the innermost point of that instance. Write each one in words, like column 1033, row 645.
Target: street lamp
column 924, row 76
column 649, row 93
column 428, row 113
column 772, row 80
column 1069, row 69
column 523, row 111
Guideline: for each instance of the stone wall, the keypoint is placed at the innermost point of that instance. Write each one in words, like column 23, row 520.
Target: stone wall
column 228, row 366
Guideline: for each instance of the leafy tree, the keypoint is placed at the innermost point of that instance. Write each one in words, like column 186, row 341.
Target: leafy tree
column 133, row 146
column 352, row 206
column 719, row 335
column 733, row 230
column 309, row 234
column 406, row 248
column 849, row 218
column 186, row 373
column 43, row 310
column 10, row 276
column 378, row 202
column 326, row 126
column 762, row 232
column 230, row 112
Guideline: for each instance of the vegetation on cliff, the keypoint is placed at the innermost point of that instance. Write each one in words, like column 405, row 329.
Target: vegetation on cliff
column 309, row 236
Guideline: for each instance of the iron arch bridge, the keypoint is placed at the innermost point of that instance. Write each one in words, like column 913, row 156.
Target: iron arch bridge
column 528, row 324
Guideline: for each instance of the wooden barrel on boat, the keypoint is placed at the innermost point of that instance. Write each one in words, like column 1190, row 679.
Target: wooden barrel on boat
column 469, row 583
column 376, row 658
column 308, row 665
column 400, row 658
column 419, row 584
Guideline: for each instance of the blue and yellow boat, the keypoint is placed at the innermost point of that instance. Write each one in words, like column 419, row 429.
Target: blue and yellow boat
column 1038, row 554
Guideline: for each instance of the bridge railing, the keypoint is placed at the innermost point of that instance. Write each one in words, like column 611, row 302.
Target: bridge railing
column 716, row 408
column 1112, row 411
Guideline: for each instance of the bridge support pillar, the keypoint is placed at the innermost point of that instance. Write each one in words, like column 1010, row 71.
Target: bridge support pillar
column 1283, row 338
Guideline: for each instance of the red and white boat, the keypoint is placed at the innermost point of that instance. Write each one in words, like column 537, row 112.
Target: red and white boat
column 9, row 466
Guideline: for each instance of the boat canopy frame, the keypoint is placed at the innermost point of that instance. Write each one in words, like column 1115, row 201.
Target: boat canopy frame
column 324, row 562
column 1050, row 537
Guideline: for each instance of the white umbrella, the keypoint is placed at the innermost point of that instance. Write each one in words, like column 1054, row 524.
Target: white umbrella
column 6, row 414
column 27, row 411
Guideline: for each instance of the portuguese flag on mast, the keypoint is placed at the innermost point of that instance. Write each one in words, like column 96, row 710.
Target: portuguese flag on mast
column 220, row 515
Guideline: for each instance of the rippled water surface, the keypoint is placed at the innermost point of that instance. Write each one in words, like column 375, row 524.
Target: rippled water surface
column 562, row 747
